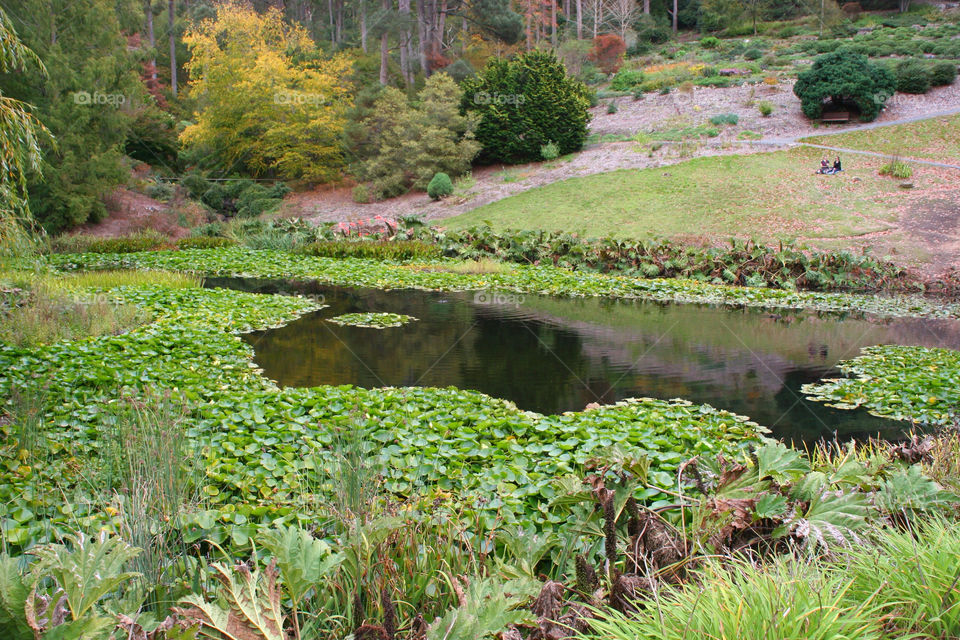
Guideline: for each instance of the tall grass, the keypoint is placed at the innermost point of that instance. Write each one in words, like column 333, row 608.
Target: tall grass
column 914, row 576
column 122, row 278
column 785, row 599
column 44, row 315
column 150, row 476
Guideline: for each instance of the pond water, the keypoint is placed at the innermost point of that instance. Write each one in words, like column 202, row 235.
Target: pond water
column 555, row 354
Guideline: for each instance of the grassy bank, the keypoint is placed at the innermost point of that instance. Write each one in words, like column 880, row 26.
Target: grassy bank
column 767, row 196
column 935, row 139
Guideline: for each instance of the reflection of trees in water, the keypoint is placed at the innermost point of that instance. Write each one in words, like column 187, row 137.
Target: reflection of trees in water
column 554, row 355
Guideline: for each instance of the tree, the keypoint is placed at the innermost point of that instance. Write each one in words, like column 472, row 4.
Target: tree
column 268, row 101
column 406, row 145
column 525, row 103
column 20, row 134
column 88, row 101
column 844, row 77
column 607, row 52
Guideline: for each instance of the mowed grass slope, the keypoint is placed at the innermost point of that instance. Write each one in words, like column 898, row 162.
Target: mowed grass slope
column 765, row 195
column 935, row 139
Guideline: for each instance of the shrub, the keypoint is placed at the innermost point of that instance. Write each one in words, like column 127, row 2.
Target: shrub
column 912, row 76
column 652, row 30
column 159, row 190
column 361, row 193
column 710, row 42
column 612, row 107
column 844, row 76
column 753, row 54
column 541, row 104
column 765, row 107
column 440, row 186
column 943, row 73
column 412, row 143
column 195, row 184
column 143, row 241
column 204, row 242
column 638, row 94
column 607, row 52
column 550, row 151
column 395, row 250
column 896, row 168
column 256, row 207
column 726, row 118
column 626, row 79
column 214, row 197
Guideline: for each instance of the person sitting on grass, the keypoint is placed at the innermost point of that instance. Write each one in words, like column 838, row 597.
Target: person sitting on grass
column 837, row 167
column 824, row 166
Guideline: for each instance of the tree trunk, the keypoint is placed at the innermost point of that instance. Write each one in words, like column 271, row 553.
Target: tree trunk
column 333, row 35
column 553, row 23
column 363, row 25
column 464, row 36
column 674, row 17
column 597, row 13
column 579, row 19
column 148, row 13
column 405, row 63
column 173, row 49
column 384, row 49
column 423, row 35
column 646, row 7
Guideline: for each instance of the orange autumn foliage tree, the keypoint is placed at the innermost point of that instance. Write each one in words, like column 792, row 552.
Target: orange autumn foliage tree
column 268, row 101
column 607, row 52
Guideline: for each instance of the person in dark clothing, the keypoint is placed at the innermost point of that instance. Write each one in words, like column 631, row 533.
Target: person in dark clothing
column 837, row 167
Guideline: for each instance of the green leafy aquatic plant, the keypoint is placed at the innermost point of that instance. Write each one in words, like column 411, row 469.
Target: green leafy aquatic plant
column 916, row 384
column 372, row 320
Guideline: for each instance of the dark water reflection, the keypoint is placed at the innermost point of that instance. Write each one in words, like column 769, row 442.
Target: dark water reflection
column 552, row 355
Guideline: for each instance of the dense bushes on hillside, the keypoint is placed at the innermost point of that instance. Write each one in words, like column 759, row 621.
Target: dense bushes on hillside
column 525, row 103
column 844, row 77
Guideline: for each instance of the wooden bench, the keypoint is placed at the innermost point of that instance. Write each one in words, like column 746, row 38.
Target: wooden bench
column 836, row 117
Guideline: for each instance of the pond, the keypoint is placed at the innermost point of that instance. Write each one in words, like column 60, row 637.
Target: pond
column 557, row 354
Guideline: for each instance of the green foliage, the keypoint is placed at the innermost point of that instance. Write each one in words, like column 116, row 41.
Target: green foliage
column 86, row 101
column 844, row 76
column 523, row 278
column 488, row 608
column 943, row 73
column 440, row 186
column 787, row 599
column 612, row 107
column 372, row 320
column 399, row 250
column 896, row 168
column 753, row 54
column 903, row 383
column 524, row 103
column 86, row 569
column 911, row 575
column 725, row 118
column 204, row 242
column 709, row 42
column 408, row 145
column 120, row 244
column 913, row 76
column 550, row 151
column 626, row 79
column 765, row 107
column 652, row 29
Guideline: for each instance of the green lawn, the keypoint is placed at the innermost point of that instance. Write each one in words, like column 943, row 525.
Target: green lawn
column 767, row 196
column 935, row 139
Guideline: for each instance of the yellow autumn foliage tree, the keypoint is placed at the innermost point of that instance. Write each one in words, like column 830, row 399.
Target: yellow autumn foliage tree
column 268, row 100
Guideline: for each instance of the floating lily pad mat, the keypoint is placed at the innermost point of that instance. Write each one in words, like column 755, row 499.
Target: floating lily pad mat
column 372, row 320
column 556, row 354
